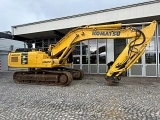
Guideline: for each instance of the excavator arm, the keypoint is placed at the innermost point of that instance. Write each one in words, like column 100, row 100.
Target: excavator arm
column 59, row 53
column 138, row 40
column 133, row 51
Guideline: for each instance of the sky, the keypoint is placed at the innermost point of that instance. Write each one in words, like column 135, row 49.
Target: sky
column 16, row 12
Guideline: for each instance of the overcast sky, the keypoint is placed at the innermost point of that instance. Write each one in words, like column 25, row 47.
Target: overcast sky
column 15, row 12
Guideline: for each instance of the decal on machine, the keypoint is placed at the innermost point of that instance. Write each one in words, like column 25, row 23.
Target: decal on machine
column 106, row 33
column 24, row 58
column 46, row 61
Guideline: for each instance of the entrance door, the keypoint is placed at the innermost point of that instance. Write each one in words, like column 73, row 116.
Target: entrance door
column 137, row 69
column 93, row 56
column 150, row 66
column 147, row 64
column 97, row 59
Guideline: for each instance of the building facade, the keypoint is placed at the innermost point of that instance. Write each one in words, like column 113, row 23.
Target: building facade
column 93, row 55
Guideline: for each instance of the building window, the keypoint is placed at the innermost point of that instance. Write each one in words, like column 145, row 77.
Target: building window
column 84, row 59
column 85, row 52
column 76, row 50
column 152, row 45
column 102, row 51
column 150, row 58
column 45, row 44
column 76, row 59
column 93, row 51
column 85, row 47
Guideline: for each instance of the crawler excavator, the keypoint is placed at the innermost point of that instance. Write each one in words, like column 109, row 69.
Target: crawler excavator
column 51, row 68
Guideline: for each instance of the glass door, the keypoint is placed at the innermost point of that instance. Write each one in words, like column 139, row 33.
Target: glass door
column 102, row 54
column 137, row 68
column 150, row 64
column 85, row 56
column 93, row 57
column 147, row 65
column 77, row 57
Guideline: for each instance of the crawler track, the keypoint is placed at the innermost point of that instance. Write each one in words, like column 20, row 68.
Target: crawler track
column 45, row 77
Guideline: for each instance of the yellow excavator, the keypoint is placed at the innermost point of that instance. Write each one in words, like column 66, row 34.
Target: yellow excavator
column 52, row 68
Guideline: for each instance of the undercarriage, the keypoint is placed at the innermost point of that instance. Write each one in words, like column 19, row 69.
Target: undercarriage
column 59, row 76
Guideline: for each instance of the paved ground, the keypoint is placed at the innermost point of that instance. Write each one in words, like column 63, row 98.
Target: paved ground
column 88, row 99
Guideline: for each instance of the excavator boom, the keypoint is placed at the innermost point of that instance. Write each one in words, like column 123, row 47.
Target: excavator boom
column 133, row 51
column 60, row 54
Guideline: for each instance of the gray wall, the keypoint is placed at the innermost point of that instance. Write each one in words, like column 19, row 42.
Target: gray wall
column 5, row 46
column 3, row 58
